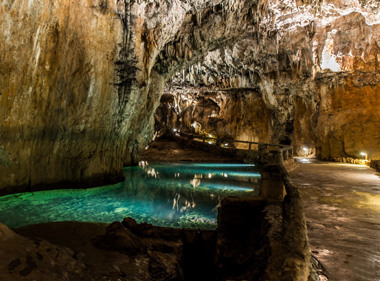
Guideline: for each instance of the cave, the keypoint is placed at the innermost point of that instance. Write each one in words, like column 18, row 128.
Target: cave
column 91, row 88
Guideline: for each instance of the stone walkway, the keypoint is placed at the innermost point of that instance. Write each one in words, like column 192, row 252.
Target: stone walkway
column 342, row 207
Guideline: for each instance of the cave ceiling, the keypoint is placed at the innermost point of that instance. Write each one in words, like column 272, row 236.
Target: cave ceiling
column 80, row 82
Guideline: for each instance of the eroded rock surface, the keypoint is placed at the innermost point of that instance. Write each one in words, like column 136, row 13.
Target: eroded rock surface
column 36, row 259
column 80, row 82
column 316, row 66
column 240, row 114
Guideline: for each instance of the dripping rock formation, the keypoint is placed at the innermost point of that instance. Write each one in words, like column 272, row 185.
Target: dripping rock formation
column 80, row 82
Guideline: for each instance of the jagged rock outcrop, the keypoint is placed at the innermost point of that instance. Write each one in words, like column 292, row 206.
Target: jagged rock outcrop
column 316, row 65
column 228, row 114
column 37, row 259
column 79, row 82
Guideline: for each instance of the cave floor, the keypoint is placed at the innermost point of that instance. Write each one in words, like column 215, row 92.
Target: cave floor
column 166, row 150
column 342, row 206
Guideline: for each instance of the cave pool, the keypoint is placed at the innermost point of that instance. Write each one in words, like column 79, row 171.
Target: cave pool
column 172, row 195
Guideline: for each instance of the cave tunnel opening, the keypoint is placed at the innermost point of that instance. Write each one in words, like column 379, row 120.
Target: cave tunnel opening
column 187, row 106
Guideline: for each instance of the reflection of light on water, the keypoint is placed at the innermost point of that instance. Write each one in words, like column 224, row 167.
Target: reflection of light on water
column 182, row 205
column 218, row 165
column 143, row 164
column 244, row 174
column 216, row 186
column 195, row 182
column 157, row 194
column 152, row 172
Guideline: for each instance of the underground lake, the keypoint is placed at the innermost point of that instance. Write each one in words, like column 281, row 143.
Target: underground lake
column 172, row 195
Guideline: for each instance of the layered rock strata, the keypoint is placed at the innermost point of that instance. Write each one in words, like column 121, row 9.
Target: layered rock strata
column 79, row 82
column 316, row 66
column 228, row 114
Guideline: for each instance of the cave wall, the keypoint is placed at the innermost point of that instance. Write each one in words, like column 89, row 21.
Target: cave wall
column 56, row 92
column 79, row 82
column 316, row 66
column 229, row 114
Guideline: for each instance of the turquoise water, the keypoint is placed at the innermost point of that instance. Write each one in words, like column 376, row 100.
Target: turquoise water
column 174, row 195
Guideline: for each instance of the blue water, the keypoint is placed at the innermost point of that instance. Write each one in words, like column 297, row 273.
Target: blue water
column 174, row 195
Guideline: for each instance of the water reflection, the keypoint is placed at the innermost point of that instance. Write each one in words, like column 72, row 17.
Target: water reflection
column 187, row 193
column 165, row 195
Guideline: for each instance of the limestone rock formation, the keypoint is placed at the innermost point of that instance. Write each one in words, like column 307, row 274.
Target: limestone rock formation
column 229, row 114
column 36, row 259
column 316, row 66
column 80, row 81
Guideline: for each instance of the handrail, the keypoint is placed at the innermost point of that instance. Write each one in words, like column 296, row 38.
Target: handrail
column 285, row 151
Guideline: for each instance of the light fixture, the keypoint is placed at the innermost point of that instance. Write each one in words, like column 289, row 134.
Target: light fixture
column 364, row 154
column 174, row 130
column 305, row 149
column 226, row 144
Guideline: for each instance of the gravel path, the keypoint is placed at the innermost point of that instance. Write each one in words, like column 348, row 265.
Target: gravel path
column 342, row 207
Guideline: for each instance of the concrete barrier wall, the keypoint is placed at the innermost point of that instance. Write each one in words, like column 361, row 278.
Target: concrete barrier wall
column 375, row 164
column 297, row 265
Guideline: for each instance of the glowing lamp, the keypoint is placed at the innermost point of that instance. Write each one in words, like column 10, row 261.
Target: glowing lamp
column 226, row 144
column 174, row 130
column 364, row 154
column 305, row 149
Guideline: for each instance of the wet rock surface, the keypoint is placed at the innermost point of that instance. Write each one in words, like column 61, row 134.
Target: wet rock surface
column 341, row 203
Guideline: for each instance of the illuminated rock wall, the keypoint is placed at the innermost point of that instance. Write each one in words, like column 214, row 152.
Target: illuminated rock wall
column 80, row 81
column 233, row 114
column 316, row 65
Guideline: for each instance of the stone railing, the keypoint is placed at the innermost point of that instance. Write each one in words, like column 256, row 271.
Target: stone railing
column 375, row 164
column 297, row 264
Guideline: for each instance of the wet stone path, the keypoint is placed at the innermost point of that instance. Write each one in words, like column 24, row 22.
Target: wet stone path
column 342, row 208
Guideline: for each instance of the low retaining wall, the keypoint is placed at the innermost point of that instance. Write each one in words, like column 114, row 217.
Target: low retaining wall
column 375, row 164
column 265, row 237
column 297, row 264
